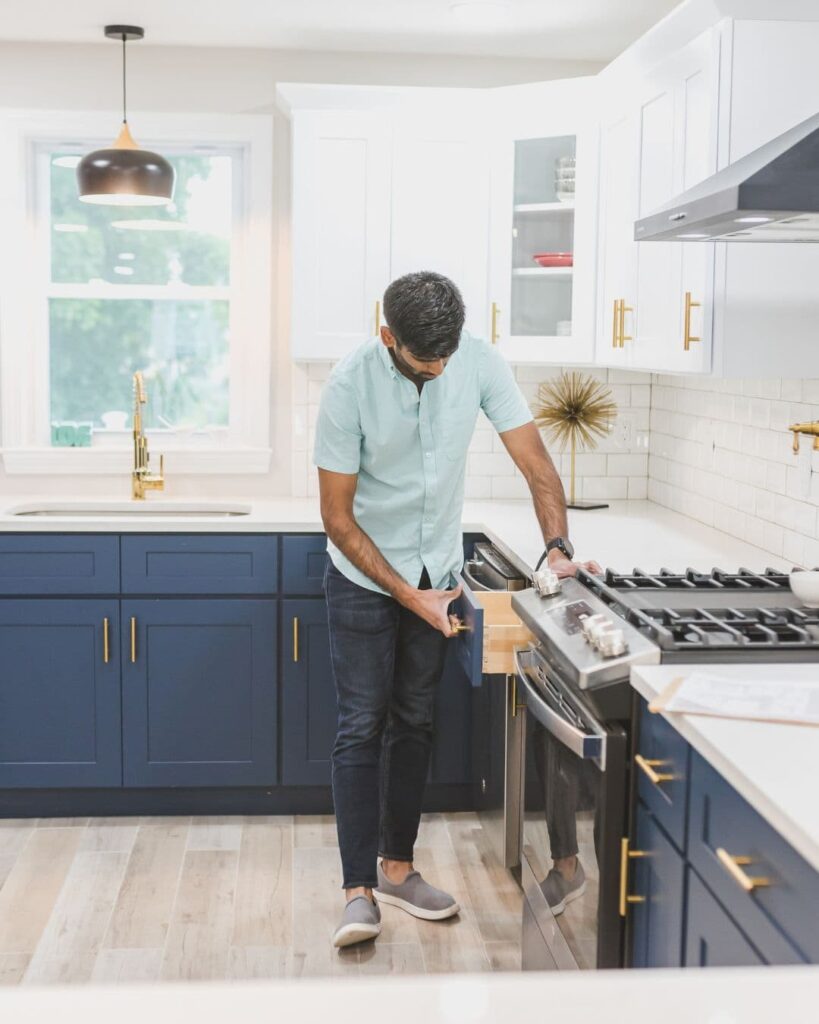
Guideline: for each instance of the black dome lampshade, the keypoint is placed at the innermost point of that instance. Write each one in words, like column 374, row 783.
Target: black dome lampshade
column 124, row 174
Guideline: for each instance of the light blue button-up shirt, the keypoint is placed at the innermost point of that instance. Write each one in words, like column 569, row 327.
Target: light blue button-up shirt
column 409, row 450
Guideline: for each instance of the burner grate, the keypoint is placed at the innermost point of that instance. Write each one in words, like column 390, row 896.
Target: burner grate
column 757, row 628
column 716, row 579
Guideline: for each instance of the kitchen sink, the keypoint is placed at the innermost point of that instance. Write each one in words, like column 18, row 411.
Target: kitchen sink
column 121, row 509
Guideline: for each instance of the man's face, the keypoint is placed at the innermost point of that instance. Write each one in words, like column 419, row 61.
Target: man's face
column 419, row 370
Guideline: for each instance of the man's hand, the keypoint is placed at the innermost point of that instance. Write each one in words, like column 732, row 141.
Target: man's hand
column 562, row 567
column 431, row 606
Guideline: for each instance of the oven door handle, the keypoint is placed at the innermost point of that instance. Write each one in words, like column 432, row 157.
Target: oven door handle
column 590, row 747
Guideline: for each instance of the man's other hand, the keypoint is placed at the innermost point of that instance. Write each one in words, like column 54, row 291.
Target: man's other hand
column 562, row 567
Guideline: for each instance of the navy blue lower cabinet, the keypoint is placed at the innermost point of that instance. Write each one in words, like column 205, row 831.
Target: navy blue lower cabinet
column 309, row 709
column 303, row 561
column 658, row 877
column 712, row 938
column 59, row 693
column 452, row 746
column 199, row 692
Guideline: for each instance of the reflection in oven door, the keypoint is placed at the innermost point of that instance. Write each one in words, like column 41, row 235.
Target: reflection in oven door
column 574, row 818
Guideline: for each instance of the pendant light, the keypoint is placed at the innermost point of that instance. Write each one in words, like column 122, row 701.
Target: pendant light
column 124, row 174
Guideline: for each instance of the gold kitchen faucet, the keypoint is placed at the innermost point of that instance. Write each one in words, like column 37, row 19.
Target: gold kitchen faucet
column 142, row 479
column 812, row 429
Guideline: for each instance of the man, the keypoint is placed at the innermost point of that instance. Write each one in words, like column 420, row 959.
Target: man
column 394, row 425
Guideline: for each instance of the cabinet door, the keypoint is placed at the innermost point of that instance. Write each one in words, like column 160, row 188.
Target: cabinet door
column 712, row 938
column 620, row 149
column 452, row 746
column 59, row 696
column 341, row 229
column 440, row 207
column 658, row 878
column 309, row 707
column 199, row 692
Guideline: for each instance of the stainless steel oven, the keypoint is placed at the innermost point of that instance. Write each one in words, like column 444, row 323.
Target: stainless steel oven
column 575, row 802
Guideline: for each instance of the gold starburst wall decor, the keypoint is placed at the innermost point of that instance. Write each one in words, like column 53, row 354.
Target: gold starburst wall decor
column 576, row 410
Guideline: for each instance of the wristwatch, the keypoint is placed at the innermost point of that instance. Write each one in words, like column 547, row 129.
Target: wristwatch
column 562, row 544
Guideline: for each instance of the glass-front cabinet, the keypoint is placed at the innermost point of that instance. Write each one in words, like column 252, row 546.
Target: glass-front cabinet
column 544, row 184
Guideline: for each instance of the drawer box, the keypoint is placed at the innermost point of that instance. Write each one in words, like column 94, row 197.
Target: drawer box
column 491, row 631
column 200, row 563
column 48, row 563
column 661, row 752
column 303, row 561
column 780, row 919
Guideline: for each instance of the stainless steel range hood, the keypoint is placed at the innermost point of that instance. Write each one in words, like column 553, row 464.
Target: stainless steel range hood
column 770, row 195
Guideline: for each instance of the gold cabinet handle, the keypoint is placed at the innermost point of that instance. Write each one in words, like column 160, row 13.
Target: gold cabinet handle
column 623, row 310
column 615, row 325
column 378, row 317
column 295, row 638
column 515, row 706
column 625, row 855
column 495, row 337
column 106, row 653
column 688, row 337
column 734, row 865
column 133, row 639
column 647, row 767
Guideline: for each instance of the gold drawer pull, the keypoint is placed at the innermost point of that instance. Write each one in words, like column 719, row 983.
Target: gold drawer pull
column 295, row 639
column 615, row 324
column 648, row 767
column 625, row 855
column 734, row 865
column 105, row 648
column 377, row 317
column 688, row 337
column 623, row 310
column 495, row 336
column 133, row 639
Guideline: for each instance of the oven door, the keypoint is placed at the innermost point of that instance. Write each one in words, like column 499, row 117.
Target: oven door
column 575, row 806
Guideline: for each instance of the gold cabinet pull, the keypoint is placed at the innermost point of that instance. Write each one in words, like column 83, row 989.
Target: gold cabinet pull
column 647, row 767
column 105, row 648
column 688, row 337
column 515, row 706
column 378, row 316
column 495, row 337
column 295, row 638
column 623, row 310
column 734, row 865
column 133, row 639
column 625, row 855
column 615, row 325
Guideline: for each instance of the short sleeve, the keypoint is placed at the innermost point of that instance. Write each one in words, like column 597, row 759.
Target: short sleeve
column 338, row 429
column 501, row 398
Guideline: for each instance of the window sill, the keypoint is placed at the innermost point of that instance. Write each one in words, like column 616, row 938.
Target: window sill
column 98, row 461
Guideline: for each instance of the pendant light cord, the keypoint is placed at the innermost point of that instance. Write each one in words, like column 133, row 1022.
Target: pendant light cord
column 124, row 107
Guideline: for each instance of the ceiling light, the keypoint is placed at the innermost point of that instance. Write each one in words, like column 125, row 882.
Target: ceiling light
column 752, row 220
column 480, row 13
column 124, row 174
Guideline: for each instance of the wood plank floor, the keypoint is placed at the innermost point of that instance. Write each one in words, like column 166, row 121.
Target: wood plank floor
column 147, row 899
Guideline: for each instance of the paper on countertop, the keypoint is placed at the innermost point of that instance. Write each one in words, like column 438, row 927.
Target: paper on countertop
column 766, row 700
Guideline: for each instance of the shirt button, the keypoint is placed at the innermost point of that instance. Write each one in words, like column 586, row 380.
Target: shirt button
column 428, row 454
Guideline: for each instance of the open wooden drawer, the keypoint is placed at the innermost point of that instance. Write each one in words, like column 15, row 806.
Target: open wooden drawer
column 491, row 632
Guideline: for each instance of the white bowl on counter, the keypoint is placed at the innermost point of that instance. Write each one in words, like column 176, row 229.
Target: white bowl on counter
column 805, row 586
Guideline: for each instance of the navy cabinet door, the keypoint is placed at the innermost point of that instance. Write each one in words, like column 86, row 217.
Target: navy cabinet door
column 308, row 693
column 452, row 747
column 659, row 877
column 712, row 938
column 199, row 692
column 59, row 698
column 303, row 561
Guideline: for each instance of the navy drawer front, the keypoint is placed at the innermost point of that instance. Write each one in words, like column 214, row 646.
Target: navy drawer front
column 303, row 561
column 661, row 751
column 48, row 563
column 200, row 564
column 780, row 919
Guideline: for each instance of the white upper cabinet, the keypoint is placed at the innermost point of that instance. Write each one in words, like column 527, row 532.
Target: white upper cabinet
column 341, row 229
column 543, row 262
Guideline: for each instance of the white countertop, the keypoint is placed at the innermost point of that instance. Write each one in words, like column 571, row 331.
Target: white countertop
column 625, row 535
column 691, row 996
column 773, row 766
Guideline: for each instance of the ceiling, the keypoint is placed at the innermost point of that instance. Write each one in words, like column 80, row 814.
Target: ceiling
column 594, row 30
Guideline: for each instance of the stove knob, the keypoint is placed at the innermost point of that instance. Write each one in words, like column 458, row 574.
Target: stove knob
column 612, row 643
column 546, row 582
column 598, row 628
column 589, row 623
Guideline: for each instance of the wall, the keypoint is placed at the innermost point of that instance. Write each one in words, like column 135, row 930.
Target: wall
column 720, row 451
column 86, row 77
column 614, row 470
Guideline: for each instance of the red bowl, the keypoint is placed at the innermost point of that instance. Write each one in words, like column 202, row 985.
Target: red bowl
column 554, row 259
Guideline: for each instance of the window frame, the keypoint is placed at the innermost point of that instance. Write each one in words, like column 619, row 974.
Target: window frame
column 25, row 285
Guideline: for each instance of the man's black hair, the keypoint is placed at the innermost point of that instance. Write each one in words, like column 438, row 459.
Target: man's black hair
column 425, row 312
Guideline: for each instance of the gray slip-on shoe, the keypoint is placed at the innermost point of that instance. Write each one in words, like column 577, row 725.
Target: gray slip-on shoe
column 360, row 921
column 416, row 896
column 559, row 893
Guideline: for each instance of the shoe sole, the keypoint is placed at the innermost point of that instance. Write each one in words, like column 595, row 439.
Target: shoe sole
column 567, row 899
column 352, row 933
column 411, row 908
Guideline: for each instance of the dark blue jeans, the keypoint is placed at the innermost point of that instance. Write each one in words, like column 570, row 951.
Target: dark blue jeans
column 387, row 663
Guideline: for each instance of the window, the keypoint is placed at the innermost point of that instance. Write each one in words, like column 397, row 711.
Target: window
column 168, row 290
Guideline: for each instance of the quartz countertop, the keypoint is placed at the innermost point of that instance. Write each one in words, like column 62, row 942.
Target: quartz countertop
column 772, row 765
column 625, row 535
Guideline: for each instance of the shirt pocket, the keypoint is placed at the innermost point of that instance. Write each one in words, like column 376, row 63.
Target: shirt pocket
column 458, row 426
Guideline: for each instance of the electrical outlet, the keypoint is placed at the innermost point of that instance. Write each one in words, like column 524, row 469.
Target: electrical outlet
column 624, row 431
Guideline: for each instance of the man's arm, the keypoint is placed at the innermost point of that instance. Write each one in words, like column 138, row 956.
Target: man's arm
column 529, row 454
column 337, row 491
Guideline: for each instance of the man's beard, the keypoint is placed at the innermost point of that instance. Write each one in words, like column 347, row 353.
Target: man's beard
column 408, row 371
